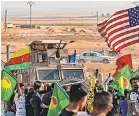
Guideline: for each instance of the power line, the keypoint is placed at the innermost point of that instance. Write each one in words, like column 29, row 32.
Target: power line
column 5, row 19
column 97, row 18
column 30, row 3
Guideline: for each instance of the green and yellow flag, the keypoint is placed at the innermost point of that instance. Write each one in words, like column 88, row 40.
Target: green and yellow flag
column 59, row 100
column 122, row 80
column 8, row 84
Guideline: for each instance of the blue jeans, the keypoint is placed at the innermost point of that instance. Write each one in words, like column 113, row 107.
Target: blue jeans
column 9, row 113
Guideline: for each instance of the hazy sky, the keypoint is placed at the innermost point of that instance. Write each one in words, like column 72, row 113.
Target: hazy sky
column 63, row 8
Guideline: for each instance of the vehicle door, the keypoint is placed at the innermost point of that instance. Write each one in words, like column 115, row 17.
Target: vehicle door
column 94, row 57
column 86, row 56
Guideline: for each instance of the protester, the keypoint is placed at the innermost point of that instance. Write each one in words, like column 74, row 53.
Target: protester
column 42, row 90
column 11, row 107
column 19, row 100
column 33, row 100
column 134, row 96
column 46, row 101
column 102, row 104
column 99, row 79
column 124, row 104
column 78, row 100
column 109, row 78
column 27, row 88
column 3, row 109
column 29, row 108
column 36, row 98
column 138, row 81
column 99, row 76
column 115, row 97
column 129, row 113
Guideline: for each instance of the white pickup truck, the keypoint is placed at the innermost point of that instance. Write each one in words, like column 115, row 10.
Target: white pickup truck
column 94, row 57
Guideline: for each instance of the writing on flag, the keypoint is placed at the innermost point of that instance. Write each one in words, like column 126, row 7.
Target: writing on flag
column 122, row 29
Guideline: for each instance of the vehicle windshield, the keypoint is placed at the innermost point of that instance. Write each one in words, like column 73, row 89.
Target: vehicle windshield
column 99, row 54
column 51, row 74
column 73, row 73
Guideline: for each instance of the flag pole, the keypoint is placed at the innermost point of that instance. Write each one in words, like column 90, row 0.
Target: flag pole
column 8, row 72
column 109, row 18
column 97, row 21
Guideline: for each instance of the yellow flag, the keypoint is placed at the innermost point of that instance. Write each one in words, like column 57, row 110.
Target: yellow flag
column 91, row 96
column 92, row 84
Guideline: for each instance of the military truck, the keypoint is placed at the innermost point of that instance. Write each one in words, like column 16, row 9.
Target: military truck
column 50, row 62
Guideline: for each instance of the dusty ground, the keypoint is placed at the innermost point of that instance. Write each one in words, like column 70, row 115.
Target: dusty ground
column 86, row 38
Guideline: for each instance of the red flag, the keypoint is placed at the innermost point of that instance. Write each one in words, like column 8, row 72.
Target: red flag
column 122, row 62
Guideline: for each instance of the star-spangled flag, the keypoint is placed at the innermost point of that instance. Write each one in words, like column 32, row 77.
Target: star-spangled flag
column 122, row 29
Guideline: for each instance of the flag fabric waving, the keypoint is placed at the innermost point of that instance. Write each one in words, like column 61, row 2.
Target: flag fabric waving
column 91, row 96
column 122, row 62
column 59, row 100
column 122, row 80
column 19, row 60
column 121, row 29
column 8, row 84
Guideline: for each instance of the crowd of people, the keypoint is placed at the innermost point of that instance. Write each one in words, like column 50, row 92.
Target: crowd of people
column 34, row 100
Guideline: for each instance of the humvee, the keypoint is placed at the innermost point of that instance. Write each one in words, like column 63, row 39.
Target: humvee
column 50, row 63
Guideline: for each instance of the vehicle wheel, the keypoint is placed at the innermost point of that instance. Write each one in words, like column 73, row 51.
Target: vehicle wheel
column 81, row 61
column 105, row 61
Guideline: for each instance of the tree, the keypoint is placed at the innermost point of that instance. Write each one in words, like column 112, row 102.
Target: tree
column 102, row 15
column 108, row 15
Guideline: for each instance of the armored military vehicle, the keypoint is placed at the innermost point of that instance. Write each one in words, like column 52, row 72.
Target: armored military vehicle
column 50, row 62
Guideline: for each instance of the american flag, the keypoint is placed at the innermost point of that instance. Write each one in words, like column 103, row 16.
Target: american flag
column 121, row 29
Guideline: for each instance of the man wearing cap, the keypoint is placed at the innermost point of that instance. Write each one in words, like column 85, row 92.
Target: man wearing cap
column 78, row 99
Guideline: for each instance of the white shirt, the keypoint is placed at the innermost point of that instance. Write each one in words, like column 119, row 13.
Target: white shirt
column 81, row 114
column 99, row 78
column 20, row 105
column 109, row 78
column 134, row 97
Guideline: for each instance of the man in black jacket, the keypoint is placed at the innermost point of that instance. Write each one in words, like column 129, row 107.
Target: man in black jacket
column 78, row 99
column 46, row 101
column 33, row 100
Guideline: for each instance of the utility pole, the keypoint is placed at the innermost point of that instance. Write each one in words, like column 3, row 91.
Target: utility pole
column 5, row 19
column 70, row 21
column 7, row 51
column 30, row 4
column 82, row 22
column 25, row 24
column 97, row 18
